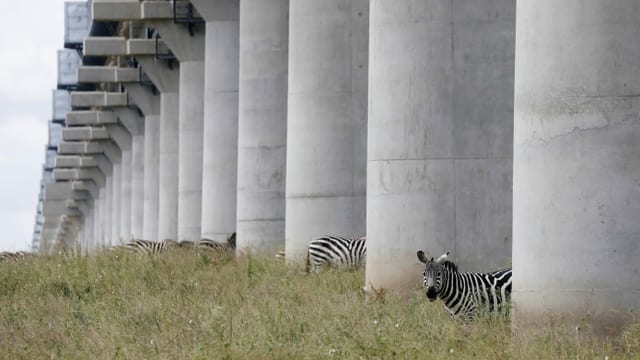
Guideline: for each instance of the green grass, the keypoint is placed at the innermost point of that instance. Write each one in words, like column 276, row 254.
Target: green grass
column 124, row 306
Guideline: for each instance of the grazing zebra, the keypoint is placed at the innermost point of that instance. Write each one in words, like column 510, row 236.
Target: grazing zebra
column 150, row 247
column 464, row 293
column 220, row 250
column 280, row 255
column 14, row 256
column 336, row 251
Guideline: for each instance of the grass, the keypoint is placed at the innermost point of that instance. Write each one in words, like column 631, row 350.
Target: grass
column 117, row 305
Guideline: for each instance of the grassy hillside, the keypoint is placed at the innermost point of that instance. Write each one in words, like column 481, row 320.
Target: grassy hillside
column 119, row 305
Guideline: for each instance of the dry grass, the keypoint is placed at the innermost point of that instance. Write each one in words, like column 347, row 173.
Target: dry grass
column 118, row 305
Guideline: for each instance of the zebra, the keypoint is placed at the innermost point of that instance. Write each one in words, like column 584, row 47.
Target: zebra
column 336, row 251
column 220, row 250
column 14, row 256
column 150, row 247
column 464, row 293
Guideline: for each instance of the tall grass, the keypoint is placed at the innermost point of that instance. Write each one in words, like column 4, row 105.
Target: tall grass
column 125, row 306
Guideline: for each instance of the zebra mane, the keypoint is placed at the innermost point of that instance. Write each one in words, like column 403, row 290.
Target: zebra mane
column 450, row 265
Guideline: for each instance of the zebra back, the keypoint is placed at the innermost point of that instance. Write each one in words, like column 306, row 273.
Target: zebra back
column 464, row 293
column 7, row 256
column 218, row 249
column 336, row 251
column 149, row 247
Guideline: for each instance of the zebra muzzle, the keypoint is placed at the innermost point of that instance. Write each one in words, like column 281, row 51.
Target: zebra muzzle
column 432, row 295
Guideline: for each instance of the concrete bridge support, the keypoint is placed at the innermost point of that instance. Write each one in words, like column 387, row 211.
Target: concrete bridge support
column 262, row 124
column 440, row 135
column 145, row 149
column 327, row 121
column 577, row 163
column 190, row 52
column 166, row 197
column 220, row 126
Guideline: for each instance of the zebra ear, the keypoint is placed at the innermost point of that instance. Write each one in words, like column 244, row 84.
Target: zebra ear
column 443, row 257
column 422, row 257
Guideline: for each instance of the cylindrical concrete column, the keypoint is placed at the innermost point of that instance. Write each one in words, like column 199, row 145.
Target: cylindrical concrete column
column 220, row 166
column 440, row 134
column 577, row 162
column 137, row 185
column 98, row 205
column 190, row 149
column 327, row 121
column 151, row 176
column 168, row 183
column 125, row 196
column 106, row 211
column 262, row 124
column 115, row 203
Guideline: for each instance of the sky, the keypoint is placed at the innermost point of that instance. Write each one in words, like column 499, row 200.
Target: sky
column 31, row 31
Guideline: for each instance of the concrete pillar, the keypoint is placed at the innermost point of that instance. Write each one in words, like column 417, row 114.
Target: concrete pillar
column 167, row 81
column 220, row 127
column 106, row 211
column 146, row 149
column 137, row 185
column 189, row 49
column 440, row 135
column 151, row 177
column 262, row 124
column 327, row 119
column 168, row 184
column 577, row 163
column 116, row 188
column 126, row 181
column 190, row 149
column 97, row 219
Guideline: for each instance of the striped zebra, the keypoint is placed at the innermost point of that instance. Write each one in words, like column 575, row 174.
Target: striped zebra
column 150, row 247
column 464, row 293
column 336, row 251
column 7, row 256
column 219, row 250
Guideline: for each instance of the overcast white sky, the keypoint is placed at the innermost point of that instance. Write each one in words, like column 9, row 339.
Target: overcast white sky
column 30, row 33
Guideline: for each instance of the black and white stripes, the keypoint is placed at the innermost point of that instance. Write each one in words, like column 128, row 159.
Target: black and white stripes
column 14, row 256
column 464, row 293
column 150, row 247
column 336, row 251
column 218, row 249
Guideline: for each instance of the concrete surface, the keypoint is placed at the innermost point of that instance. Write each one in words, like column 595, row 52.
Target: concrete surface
column 327, row 121
column 440, row 134
column 577, row 163
column 262, row 124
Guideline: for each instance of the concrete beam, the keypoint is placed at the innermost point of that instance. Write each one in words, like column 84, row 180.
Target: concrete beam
column 85, row 133
column 72, row 161
column 86, row 148
column 116, row 10
column 92, row 117
column 80, row 174
column 107, row 74
column 144, row 99
column 165, row 79
column 182, row 44
column 87, row 99
column 58, row 208
column 64, row 190
column 156, row 10
column 104, row 46
column 144, row 47
column 131, row 120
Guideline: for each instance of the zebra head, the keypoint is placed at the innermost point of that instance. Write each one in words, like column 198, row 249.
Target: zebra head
column 433, row 274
